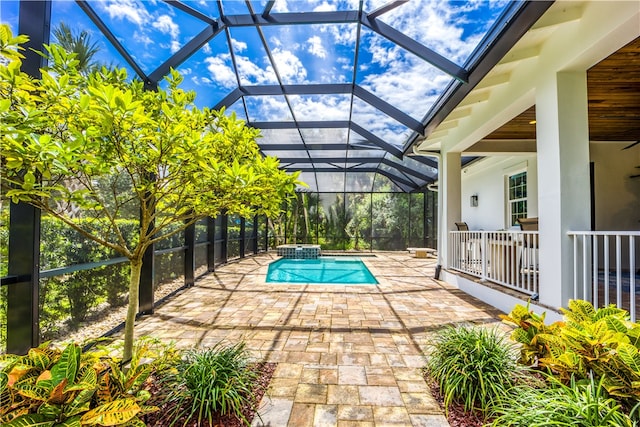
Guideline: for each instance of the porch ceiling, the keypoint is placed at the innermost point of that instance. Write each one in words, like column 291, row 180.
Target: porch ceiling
column 613, row 87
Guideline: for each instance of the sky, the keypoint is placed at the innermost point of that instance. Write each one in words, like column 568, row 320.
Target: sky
column 152, row 31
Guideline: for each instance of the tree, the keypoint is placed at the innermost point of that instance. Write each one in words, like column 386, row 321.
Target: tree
column 183, row 163
column 80, row 44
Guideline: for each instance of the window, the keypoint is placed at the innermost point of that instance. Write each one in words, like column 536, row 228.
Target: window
column 517, row 195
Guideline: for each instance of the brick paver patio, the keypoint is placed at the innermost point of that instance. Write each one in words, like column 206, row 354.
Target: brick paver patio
column 347, row 355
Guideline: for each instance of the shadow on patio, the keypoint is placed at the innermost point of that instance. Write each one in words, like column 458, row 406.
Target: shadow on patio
column 345, row 354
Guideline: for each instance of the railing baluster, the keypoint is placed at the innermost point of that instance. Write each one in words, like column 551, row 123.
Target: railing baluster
column 594, row 239
column 585, row 268
column 575, row 267
column 619, row 270
column 632, row 278
column 606, row 271
column 484, row 255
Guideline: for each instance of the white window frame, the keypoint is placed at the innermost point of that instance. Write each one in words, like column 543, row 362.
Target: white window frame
column 508, row 174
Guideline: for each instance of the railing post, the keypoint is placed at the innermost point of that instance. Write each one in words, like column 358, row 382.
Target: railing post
column 483, row 251
column 254, row 234
column 23, row 314
column 211, row 238
column 190, row 255
column 632, row 278
column 224, row 235
column 243, row 240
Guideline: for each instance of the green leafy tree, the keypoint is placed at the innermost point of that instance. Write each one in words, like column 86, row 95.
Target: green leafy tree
column 183, row 163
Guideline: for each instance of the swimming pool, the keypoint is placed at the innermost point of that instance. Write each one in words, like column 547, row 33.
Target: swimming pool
column 323, row 270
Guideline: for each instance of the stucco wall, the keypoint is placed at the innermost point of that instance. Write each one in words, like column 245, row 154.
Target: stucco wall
column 486, row 179
column 617, row 196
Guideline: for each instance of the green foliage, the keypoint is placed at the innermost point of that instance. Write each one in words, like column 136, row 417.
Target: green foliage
column 65, row 132
column 528, row 327
column 54, row 387
column 600, row 342
column 214, row 380
column 472, row 365
column 584, row 404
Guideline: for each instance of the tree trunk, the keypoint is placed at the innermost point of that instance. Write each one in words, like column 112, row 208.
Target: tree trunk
column 132, row 310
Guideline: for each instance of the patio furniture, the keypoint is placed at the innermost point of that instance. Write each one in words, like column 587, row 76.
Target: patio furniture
column 472, row 254
column 529, row 250
column 528, row 224
column 462, row 226
column 422, row 252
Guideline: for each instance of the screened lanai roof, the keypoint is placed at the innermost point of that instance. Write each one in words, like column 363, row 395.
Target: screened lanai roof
column 341, row 90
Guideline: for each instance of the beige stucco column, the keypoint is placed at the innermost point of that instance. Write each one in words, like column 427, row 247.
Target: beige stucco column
column 563, row 178
column 449, row 194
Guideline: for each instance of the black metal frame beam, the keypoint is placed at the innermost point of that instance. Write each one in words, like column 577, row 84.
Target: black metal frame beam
column 292, row 18
column 386, row 8
column 324, row 89
column 392, row 177
column 516, row 20
column 185, row 52
column 359, row 160
column 191, row 11
column 423, row 52
column 113, row 40
column 313, row 147
column 384, row 145
column 23, row 309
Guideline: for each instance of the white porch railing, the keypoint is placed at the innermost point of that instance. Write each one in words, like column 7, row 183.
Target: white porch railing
column 606, row 268
column 508, row 258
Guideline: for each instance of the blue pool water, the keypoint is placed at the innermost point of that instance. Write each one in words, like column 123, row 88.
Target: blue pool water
column 324, row 270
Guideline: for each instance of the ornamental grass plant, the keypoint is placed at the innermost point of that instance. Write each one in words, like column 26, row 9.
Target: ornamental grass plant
column 473, row 366
column 211, row 382
column 578, row 404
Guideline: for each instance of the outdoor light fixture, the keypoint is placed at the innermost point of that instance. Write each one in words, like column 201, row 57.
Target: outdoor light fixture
column 474, row 201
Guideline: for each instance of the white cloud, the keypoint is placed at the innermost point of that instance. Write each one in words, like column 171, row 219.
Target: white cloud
column 126, row 10
column 220, row 72
column 327, row 107
column 239, row 46
column 275, row 42
column 316, row 48
column 175, row 46
column 251, row 74
column 344, row 34
column 142, row 38
column 325, row 7
column 165, row 25
column 280, row 6
column 207, row 49
column 289, row 66
column 268, row 108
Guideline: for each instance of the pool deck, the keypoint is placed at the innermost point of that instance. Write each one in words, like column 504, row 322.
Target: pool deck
column 347, row 355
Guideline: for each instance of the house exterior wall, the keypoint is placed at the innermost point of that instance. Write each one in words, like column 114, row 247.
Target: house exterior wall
column 486, row 179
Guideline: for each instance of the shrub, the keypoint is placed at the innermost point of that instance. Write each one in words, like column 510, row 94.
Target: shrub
column 213, row 381
column 600, row 342
column 472, row 365
column 50, row 386
column 583, row 404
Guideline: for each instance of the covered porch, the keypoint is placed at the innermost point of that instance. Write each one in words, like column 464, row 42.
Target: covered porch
column 553, row 130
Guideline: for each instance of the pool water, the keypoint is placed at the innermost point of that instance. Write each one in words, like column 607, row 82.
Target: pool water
column 323, row 270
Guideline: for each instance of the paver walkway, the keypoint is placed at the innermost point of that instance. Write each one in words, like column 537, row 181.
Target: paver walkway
column 347, row 355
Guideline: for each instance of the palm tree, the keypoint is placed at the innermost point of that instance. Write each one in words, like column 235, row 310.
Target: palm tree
column 80, row 44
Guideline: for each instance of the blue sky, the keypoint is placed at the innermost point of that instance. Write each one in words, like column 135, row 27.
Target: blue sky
column 152, row 31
